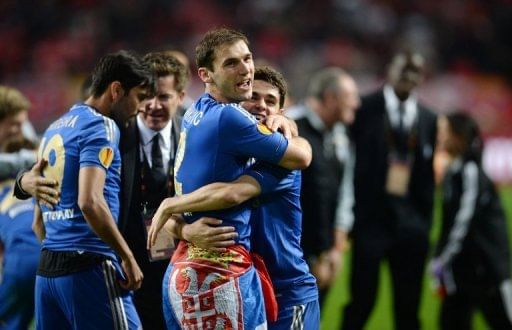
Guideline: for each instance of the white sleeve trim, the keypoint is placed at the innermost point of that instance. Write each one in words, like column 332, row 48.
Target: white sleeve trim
column 464, row 214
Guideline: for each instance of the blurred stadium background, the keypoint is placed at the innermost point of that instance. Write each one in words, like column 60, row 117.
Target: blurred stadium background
column 48, row 47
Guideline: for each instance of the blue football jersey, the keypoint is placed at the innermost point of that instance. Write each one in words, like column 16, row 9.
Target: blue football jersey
column 19, row 241
column 276, row 223
column 80, row 138
column 216, row 143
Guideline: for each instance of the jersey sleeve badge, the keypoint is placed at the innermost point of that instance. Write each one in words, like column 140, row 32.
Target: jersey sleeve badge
column 264, row 129
column 106, row 156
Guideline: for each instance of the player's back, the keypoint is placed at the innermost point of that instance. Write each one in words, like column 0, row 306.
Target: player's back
column 82, row 137
column 216, row 143
column 21, row 247
column 276, row 223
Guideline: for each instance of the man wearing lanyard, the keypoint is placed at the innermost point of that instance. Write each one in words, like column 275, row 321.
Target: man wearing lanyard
column 394, row 137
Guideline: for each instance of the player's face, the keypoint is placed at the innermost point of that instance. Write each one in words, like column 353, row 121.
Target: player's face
column 233, row 72
column 348, row 100
column 264, row 101
column 128, row 104
column 156, row 112
column 10, row 127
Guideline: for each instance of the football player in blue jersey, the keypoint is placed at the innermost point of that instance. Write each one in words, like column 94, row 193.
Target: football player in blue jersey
column 81, row 283
column 204, row 288
column 20, row 255
column 275, row 218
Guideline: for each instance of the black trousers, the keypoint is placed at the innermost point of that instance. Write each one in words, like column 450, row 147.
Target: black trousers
column 148, row 299
column 457, row 309
column 404, row 244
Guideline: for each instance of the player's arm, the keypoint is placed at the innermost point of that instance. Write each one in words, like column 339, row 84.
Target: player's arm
column 215, row 196
column 38, row 224
column 95, row 210
column 298, row 154
column 205, row 232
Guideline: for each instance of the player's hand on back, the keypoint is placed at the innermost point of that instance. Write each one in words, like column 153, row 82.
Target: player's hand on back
column 133, row 274
column 43, row 189
column 207, row 233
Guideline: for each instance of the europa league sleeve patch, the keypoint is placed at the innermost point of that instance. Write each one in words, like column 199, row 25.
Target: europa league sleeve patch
column 264, row 129
column 106, row 156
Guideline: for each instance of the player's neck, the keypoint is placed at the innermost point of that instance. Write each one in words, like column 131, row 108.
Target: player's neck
column 99, row 104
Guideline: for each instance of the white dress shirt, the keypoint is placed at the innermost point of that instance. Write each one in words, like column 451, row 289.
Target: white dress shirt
column 392, row 107
column 146, row 141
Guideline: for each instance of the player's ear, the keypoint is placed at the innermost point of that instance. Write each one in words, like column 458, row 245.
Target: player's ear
column 116, row 90
column 205, row 75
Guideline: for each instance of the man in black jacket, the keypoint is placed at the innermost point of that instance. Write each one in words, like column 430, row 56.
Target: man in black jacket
column 148, row 144
column 332, row 100
column 394, row 137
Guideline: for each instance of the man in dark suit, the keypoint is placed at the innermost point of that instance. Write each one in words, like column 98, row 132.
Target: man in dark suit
column 394, row 137
column 148, row 144
column 331, row 103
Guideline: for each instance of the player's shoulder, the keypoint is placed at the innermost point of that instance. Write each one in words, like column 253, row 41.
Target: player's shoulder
column 233, row 112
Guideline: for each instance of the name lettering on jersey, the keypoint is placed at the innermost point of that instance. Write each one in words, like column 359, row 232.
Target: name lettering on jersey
column 194, row 117
column 58, row 215
column 68, row 121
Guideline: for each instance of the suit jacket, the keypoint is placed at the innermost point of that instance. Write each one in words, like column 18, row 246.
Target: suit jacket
column 130, row 220
column 372, row 203
column 319, row 193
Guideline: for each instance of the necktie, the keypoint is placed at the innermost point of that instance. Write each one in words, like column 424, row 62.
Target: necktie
column 156, row 156
column 401, row 114
column 402, row 134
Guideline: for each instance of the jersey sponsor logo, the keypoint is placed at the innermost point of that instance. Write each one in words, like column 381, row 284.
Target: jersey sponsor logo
column 106, row 156
column 264, row 129
column 58, row 215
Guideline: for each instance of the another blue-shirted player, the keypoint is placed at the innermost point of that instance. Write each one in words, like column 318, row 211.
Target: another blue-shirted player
column 205, row 288
column 19, row 264
column 276, row 220
column 80, row 282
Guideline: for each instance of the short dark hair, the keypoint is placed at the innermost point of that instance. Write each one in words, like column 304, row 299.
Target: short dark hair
column 466, row 128
column 274, row 78
column 205, row 50
column 12, row 102
column 123, row 66
column 326, row 79
column 164, row 65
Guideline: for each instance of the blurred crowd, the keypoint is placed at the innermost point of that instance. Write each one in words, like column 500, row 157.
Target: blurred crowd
column 415, row 76
column 48, row 47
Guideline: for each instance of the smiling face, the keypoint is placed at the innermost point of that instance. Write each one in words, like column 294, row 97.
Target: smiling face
column 232, row 75
column 264, row 101
column 158, row 111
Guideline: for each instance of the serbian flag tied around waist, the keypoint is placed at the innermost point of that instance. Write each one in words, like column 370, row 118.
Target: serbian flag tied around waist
column 204, row 286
